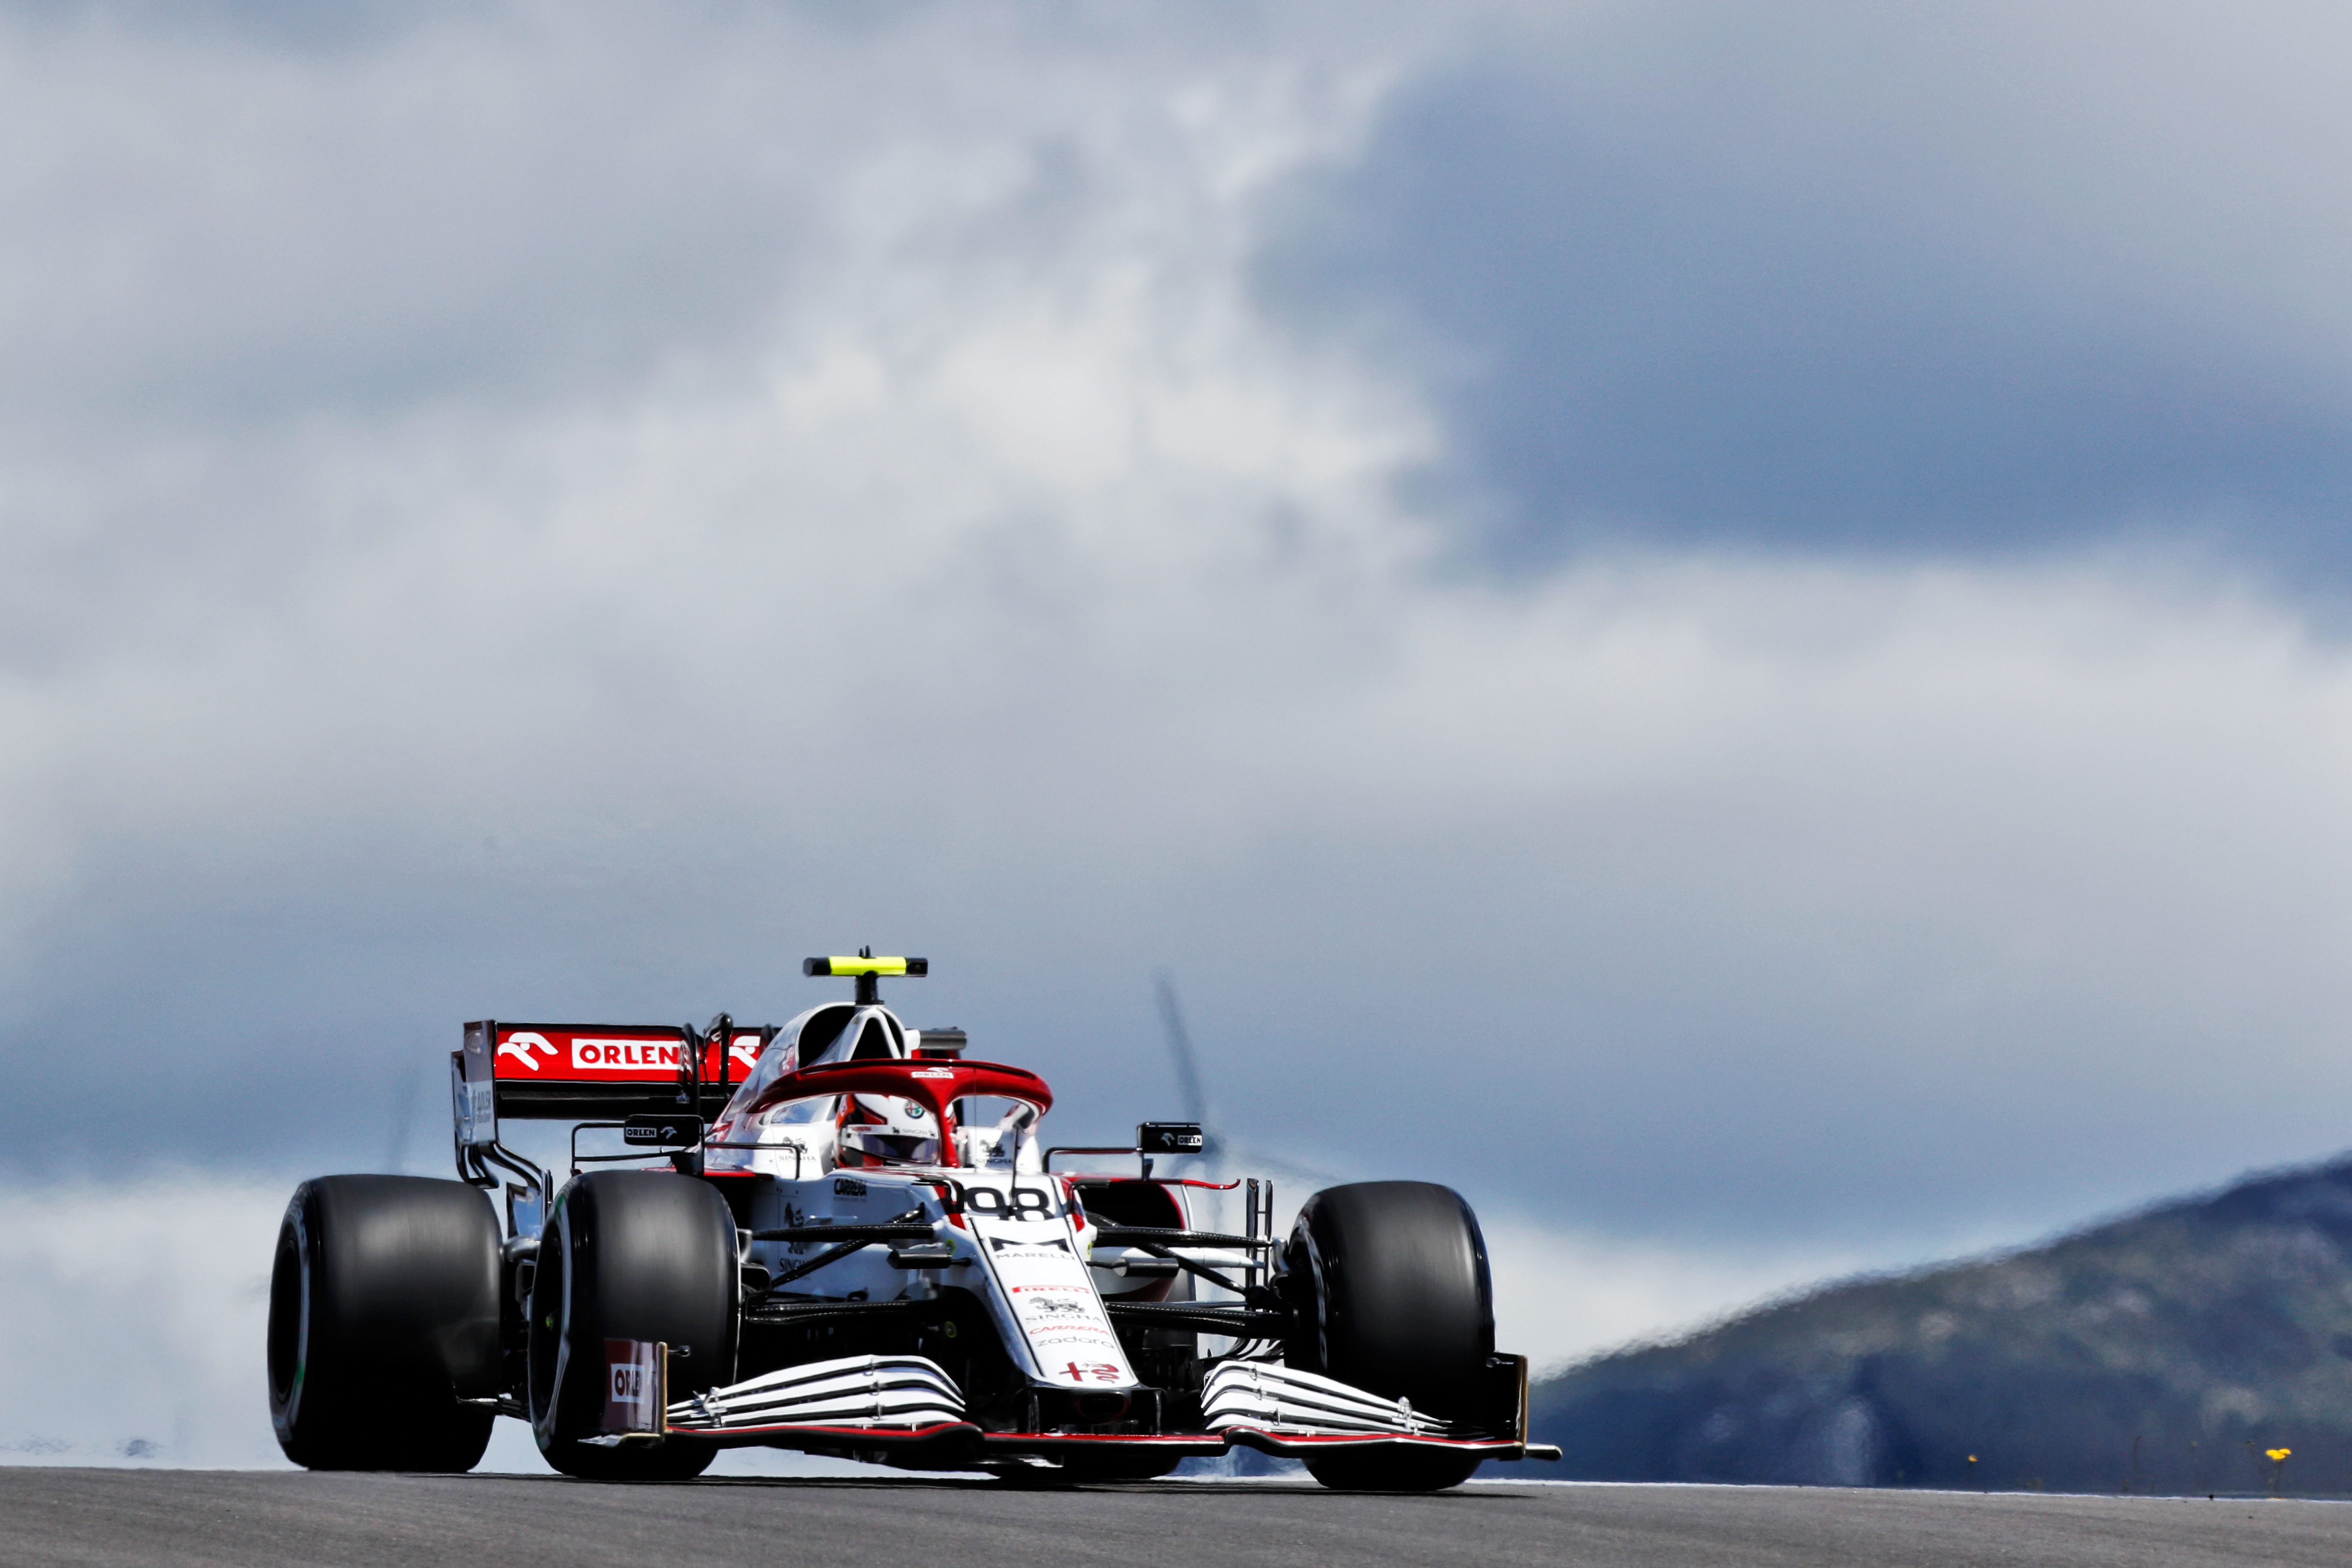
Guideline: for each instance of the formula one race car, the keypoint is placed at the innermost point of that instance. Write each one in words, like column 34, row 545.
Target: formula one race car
column 852, row 1242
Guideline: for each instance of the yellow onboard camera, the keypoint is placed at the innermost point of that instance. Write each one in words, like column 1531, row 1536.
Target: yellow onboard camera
column 865, row 963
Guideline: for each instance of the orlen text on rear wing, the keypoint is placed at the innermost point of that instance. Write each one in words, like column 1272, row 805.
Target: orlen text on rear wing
column 577, row 1072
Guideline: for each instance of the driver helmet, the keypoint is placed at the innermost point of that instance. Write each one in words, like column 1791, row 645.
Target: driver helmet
column 886, row 1130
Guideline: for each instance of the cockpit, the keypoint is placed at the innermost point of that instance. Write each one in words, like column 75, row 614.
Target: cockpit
column 863, row 1131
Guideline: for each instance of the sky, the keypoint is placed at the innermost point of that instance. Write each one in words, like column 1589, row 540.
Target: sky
column 1720, row 626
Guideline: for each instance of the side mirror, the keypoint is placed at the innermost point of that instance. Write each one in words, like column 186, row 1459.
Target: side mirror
column 1169, row 1138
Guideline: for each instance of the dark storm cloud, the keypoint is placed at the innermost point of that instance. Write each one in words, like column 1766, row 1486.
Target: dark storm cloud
column 1667, row 324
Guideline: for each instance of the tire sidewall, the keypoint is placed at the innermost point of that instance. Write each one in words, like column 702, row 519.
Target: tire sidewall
column 553, row 1328
column 1310, row 1349
column 293, row 1257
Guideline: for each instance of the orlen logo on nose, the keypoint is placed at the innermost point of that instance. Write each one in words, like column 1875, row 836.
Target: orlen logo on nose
column 631, row 1057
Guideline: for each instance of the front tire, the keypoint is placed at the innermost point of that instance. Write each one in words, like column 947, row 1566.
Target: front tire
column 383, row 1314
column 634, row 1254
column 1389, row 1285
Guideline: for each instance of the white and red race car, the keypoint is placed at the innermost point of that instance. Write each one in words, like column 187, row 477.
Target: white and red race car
column 854, row 1242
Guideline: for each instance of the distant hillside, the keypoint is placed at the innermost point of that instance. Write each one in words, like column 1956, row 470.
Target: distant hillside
column 2150, row 1353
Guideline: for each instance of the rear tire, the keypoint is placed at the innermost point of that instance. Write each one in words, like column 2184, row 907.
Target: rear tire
column 383, row 1312
column 629, row 1255
column 1390, row 1286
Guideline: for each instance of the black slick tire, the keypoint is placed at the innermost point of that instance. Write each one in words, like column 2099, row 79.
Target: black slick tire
column 383, row 1317
column 1390, row 1289
column 634, row 1254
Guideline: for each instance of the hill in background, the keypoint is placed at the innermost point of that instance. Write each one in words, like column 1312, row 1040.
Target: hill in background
column 2158, row 1353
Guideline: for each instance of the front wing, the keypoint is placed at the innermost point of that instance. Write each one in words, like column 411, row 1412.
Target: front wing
column 906, row 1410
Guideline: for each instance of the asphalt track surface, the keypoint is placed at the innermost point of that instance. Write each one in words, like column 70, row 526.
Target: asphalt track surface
column 264, row 1518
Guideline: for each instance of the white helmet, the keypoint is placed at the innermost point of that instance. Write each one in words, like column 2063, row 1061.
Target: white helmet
column 884, row 1129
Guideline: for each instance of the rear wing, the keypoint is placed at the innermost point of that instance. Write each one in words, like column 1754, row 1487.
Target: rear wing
column 583, row 1072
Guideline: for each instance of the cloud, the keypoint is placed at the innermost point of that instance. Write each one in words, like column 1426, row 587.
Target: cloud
column 1561, row 1297
column 598, row 629
column 135, row 1321
column 559, row 513
column 1963, row 282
